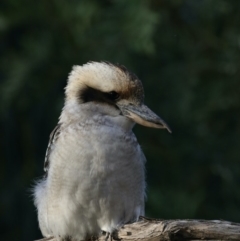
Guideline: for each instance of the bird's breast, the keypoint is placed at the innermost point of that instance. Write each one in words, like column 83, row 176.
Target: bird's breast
column 93, row 153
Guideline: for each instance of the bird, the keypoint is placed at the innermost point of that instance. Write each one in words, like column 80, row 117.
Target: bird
column 94, row 167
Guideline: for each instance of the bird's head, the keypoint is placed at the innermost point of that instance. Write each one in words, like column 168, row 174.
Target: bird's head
column 112, row 85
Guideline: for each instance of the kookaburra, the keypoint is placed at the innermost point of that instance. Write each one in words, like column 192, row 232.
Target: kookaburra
column 94, row 166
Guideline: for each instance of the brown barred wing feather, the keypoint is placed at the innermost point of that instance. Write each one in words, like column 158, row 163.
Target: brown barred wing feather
column 52, row 140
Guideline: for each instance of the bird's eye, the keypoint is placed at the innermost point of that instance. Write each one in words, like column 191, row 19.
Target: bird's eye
column 113, row 95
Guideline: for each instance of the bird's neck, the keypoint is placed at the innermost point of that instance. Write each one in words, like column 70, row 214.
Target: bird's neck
column 94, row 113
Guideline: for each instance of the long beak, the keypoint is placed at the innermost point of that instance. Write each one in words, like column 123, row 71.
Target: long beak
column 144, row 116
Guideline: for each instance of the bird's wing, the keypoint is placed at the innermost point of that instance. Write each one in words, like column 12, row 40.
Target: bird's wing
column 52, row 139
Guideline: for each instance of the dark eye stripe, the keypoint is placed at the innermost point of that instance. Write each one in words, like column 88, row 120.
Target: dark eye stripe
column 90, row 94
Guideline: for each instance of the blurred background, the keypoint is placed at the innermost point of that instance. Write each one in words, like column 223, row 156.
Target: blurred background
column 186, row 52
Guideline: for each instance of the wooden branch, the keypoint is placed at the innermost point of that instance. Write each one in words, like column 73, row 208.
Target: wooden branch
column 176, row 230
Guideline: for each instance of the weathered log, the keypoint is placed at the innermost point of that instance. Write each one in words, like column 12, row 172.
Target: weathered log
column 176, row 230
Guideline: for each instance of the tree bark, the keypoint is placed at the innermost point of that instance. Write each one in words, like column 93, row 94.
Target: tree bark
column 175, row 230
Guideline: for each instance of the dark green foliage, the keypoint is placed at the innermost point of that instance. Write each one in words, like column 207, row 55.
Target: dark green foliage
column 186, row 52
